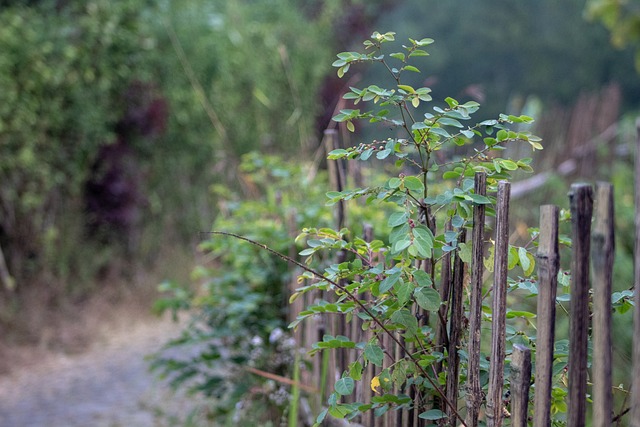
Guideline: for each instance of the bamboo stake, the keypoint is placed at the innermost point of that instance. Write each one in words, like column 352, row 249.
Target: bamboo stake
column 602, row 256
column 581, row 197
column 455, row 332
column 474, row 391
column 548, row 265
column 442, row 338
column 520, row 383
column 368, row 371
column 501, row 257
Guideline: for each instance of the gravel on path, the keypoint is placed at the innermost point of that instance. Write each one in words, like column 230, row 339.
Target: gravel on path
column 107, row 386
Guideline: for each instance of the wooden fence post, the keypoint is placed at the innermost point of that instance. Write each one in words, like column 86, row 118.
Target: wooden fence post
column 520, row 383
column 635, row 378
column 442, row 335
column 548, row 264
column 581, row 197
column 499, row 308
column 473, row 389
column 602, row 255
column 455, row 332
column 363, row 389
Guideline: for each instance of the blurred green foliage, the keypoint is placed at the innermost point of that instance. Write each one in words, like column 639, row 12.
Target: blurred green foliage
column 622, row 19
column 65, row 72
column 239, row 307
column 239, row 303
column 63, row 75
column 503, row 51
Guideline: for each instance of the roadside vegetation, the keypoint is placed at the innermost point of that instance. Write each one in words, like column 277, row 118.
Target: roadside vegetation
column 128, row 129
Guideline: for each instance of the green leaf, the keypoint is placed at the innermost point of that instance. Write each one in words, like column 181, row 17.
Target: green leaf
column 424, row 42
column 398, row 218
column 490, row 142
column 399, row 233
column 450, row 122
column 532, row 264
column 355, row 370
column 422, row 278
column 373, row 353
column 407, row 88
column 383, row 154
column 411, row 68
column 464, row 252
column 340, row 411
column 418, row 52
column 524, row 260
column 432, row 414
column 514, row 313
column 535, row 145
column 423, row 239
column 394, row 183
column 403, row 291
column 322, row 416
column 400, row 246
column 389, row 281
column 512, row 258
column 406, row 319
column 509, row 164
column 420, row 249
column 441, row 132
column 414, row 184
column 345, row 386
column 451, row 175
column 489, row 261
column 478, row 199
column 337, row 154
column 452, row 102
column 366, row 154
column 427, row 298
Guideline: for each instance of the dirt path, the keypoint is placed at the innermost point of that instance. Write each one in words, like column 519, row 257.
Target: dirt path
column 106, row 386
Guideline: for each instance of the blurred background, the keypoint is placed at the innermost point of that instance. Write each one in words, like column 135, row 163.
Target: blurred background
column 126, row 126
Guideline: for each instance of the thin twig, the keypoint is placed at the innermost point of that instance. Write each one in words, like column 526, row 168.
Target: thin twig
column 281, row 379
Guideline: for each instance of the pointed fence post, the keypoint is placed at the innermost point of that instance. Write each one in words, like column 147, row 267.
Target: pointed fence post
column 520, row 384
column 602, row 256
column 473, row 390
column 548, row 265
column 581, row 197
column 499, row 308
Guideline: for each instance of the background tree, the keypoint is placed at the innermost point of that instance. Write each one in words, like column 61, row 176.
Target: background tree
column 622, row 19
